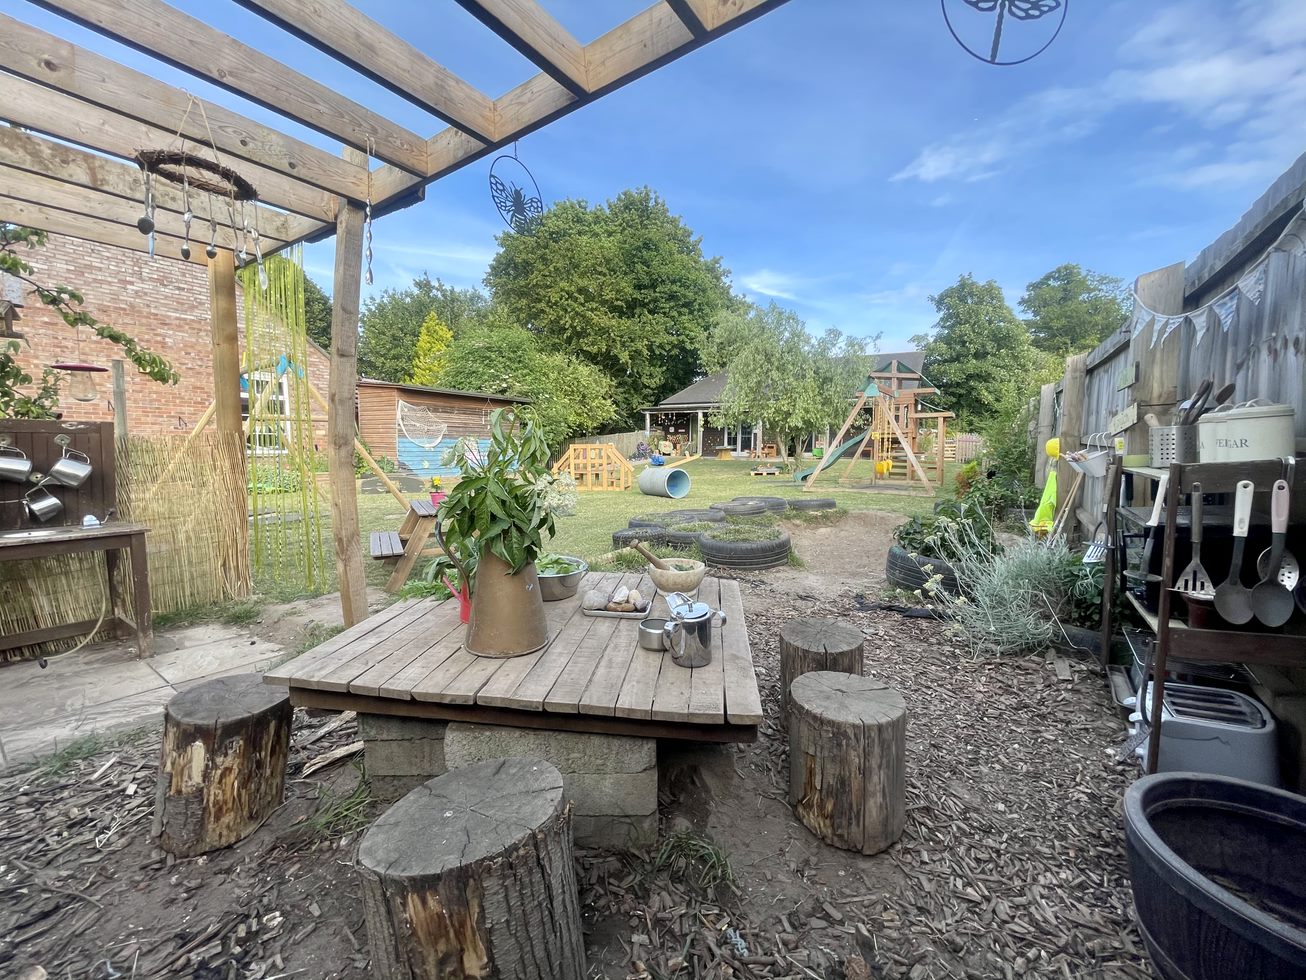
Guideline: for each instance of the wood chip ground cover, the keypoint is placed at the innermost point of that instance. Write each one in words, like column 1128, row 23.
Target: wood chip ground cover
column 1012, row 863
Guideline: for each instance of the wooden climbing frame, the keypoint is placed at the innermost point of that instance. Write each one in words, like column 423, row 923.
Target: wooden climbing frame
column 596, row 467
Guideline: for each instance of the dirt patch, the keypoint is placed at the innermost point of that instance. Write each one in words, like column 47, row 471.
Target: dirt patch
column 1012, row 862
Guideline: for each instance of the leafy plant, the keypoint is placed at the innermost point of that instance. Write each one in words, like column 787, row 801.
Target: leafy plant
column 384, row 463
column 552, row 564
column 688, row 855
column 272, row 479
column 695, row 527
column 955, row 530
column 43, row 403
column 498, row 503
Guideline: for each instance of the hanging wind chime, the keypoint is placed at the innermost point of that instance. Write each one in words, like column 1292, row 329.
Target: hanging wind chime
column 1021, row 11
column 196, row 174
column 515, row 193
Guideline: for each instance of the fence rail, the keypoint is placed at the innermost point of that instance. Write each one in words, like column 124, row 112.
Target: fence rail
column 626, row 442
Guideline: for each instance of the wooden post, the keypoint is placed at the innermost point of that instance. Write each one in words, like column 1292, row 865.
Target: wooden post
column 938, row 450
column 847, row 759
column 341, row 395
column 1047, row 420
column 1071, row 431
column 226, row 340
column 472, row 875
column 816, row 643
column 222, row 766
column 119, row 377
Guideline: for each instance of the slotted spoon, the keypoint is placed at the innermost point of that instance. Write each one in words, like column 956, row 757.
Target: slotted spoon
column 1194, row 579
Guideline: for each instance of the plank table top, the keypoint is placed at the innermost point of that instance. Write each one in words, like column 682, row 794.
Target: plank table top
column 408, row 660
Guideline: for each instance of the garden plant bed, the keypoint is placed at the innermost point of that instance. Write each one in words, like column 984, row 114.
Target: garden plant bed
column 1012, row 862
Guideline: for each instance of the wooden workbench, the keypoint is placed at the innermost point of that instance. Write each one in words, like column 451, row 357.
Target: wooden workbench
column 112, row 539
column 408, row 660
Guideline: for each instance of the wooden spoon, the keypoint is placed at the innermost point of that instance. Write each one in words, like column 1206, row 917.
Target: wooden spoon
column 653, row 559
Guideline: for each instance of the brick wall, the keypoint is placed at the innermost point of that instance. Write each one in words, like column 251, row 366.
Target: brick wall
column 164, row 304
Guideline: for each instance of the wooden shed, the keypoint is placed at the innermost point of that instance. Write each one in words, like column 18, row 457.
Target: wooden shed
column 415, row 426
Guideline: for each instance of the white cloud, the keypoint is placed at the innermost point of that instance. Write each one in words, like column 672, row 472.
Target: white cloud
column 1207, row 66
column 780, row 285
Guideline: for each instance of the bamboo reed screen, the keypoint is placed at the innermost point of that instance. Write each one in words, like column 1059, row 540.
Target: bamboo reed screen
column 191, row 494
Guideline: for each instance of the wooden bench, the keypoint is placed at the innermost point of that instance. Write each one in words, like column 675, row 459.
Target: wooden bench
column 411, row 542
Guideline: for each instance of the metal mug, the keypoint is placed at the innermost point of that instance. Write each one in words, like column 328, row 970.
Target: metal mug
column 15, row 466
column 41, row 508
column 688, row 634
column 70, row 472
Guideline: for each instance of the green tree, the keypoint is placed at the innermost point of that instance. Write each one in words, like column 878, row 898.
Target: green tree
column 391, row 323
column 1072, row 309
column 317, row 313
column 977, row 346
column 568, row 396
column 624, row 285
column 794, row 383
column 432, row 343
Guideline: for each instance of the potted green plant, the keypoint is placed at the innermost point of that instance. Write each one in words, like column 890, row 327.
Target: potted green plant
column 497, row 511
column 437, row 492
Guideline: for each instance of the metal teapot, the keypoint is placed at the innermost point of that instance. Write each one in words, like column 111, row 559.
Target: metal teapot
column 688, row 633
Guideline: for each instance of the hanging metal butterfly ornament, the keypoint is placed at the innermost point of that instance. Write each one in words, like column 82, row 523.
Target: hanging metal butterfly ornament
column 515, row 193
column 1023, row 11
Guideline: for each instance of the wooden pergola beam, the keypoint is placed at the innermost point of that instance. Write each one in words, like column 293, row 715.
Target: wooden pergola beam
column 24, row 151
column 163, row 32
column 57, row 222
column 64, row 117
column 535, row 34
column 38, row 189
column 51, row 61
column 696, row 15
column 350, row 36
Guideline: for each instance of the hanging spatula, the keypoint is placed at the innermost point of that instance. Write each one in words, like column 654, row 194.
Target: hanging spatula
column 1194, row 580
column 1095, row 552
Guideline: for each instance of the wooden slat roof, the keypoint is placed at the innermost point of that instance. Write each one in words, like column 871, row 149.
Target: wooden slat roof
column 61, row 93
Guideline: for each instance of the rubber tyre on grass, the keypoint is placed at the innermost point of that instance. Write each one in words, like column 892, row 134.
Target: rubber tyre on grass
column 681, row 539
column 747, row 555
column 813, row 503
column 653, row 520
column 776, row 504
column 691, row 515
column 743, row 509
column 908, row 573
column 648, row 535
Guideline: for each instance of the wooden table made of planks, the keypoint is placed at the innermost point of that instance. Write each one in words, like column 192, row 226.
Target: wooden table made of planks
column 111, row 538
column 409, row 661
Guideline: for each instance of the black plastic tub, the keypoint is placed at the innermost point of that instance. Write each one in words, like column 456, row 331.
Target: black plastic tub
column 1218, row 869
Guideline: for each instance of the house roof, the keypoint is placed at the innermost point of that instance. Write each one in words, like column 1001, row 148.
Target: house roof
column 706, row 393
column 373, row 383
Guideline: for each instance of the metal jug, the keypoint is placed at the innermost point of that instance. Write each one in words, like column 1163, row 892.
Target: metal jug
column 41, row 504
column 688, row 634
column 68, row 471
column 14, row 464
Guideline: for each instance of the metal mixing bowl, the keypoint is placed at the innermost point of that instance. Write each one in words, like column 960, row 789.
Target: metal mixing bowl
column 564, row 586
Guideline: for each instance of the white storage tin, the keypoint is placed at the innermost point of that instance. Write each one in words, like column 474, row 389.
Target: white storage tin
column 1249, row 431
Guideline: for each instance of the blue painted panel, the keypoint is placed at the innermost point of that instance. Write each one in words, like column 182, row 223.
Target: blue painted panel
column 426, row 462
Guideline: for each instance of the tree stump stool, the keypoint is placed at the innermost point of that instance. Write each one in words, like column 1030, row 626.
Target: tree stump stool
column 847, row 742
column 222, row 767
column 816, row 643
column 471, row 875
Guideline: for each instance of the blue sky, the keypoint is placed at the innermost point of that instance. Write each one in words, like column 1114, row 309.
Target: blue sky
column 847, row 159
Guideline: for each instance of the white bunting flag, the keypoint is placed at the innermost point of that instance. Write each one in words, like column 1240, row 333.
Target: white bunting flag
column 1252, row 285
column 1226, row 309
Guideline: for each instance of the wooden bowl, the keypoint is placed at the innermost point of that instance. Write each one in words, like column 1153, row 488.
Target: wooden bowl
column 685, row 576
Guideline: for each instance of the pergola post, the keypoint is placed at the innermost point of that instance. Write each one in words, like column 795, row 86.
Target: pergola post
column 226, row 341
column 341, row 396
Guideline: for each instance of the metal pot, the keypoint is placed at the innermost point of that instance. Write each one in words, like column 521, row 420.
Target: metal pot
column 15, row 467
column 69, row 471
column 41, row 504
column 688, row 634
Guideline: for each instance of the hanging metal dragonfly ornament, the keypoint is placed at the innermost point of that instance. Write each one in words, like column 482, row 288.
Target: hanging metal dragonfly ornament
column 515, row 193
column 1025, row 11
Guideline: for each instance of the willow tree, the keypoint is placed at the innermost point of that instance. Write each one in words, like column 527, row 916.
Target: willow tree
column 793, row 382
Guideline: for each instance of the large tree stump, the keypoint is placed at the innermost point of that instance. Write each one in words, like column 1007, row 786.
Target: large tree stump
column 847, row 740
column 816, row 643
column 471, row 876
column 222, row 767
